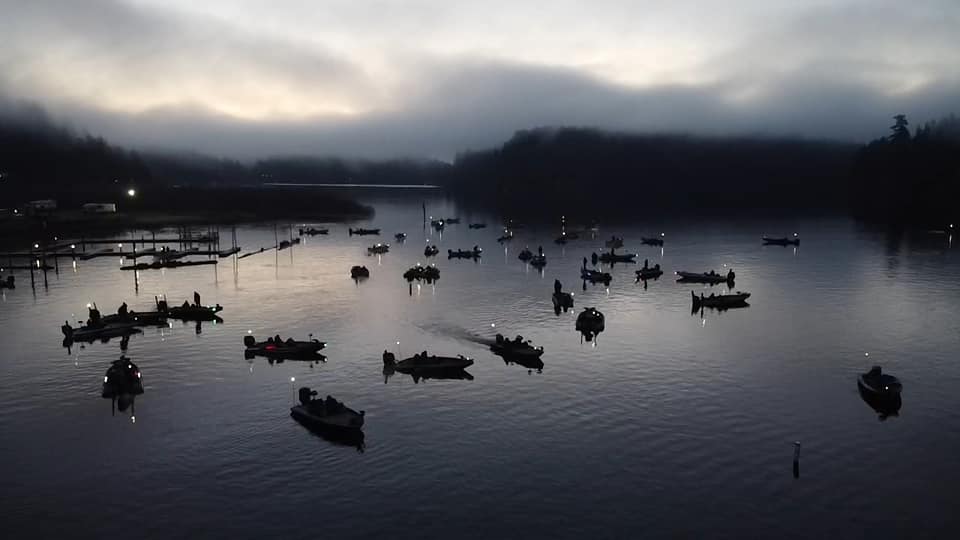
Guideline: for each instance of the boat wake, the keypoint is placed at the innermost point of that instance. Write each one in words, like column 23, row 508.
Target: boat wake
column 458, row 333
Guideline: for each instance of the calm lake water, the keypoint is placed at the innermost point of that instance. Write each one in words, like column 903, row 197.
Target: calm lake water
column 671, row 424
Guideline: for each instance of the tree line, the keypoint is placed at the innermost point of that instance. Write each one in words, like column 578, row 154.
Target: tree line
column 544, row 172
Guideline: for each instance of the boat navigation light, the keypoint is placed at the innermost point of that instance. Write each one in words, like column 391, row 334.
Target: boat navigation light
column 293, row 379
column 886, row 387
column 73, row 246
column 104, row 379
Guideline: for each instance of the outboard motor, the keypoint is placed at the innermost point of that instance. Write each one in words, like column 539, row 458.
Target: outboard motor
column 67, row 329
column 249, row 341
column 162, row 306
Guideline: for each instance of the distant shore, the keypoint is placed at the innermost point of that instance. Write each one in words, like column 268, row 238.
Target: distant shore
column 159, row 208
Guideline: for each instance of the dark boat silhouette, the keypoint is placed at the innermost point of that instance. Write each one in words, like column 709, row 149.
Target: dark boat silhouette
column 464, row 253
column 325, row 414
column 590, row 322
column 358, row 272
column 719, row 301
column 649, row 273
column 595, row 276
column 782, row 241
column 710, row 277
column 881, row 392
column 423, row 366
column 648, row 241
column 285, row 350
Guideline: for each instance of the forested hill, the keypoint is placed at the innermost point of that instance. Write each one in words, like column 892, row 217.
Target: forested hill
column 596, row 173
column 543, row 172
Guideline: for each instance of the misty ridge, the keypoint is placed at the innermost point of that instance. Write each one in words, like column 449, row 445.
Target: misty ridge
column 539, row 173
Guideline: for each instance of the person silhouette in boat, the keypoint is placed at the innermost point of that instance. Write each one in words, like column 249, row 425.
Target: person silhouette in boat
column 277, row 340
column 94, row 319
column 730, row 275
column 593, row 258
column 122, row 310
column 540, row 251
column 196, row 298
column 646, row 264
column 584, row 263
column 557, row 286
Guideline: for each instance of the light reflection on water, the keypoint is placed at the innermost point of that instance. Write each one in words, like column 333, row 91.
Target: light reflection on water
column 670, row 423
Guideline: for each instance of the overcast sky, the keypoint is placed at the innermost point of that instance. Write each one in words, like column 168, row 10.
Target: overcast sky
column 248, row 78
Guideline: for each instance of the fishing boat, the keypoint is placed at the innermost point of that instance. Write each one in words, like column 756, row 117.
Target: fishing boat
column 358, row 272
column 614, row 242
column 430, row 251
column 525, row 255
column 422, row 273
column 452, row 220
column 437, row 224
column 400, row 236
column 613, row 257
column 326, row 413
column 9, row 283
column 590, row 322
column 710, row 277
column 378, row 249
column 90, row 333
column 782, row 241
column 595, row 276
column 122, row 377
column 464, row 253
column 720, row 301
column 363, row 232
column 313, row 232
column 647, row 241
column 478, row 226
column 424, row 362
column 650, row 272
column 506, row 237
column 562, row 239
column 518, row 348
column 878, row 384
column 538, row 261
column 881, row 392
column 562, row 300
column 284, row 350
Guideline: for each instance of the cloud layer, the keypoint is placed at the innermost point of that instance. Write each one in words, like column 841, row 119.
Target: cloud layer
column 250, row 78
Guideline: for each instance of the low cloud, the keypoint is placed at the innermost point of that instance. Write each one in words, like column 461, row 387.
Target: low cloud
column 168, row 79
